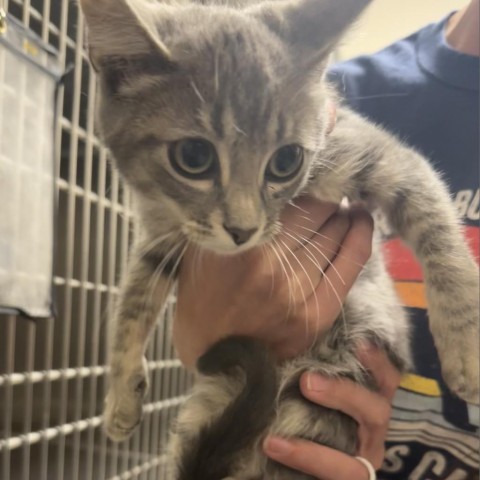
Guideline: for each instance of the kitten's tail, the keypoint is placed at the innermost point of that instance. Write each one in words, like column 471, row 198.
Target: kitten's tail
column 245, row 417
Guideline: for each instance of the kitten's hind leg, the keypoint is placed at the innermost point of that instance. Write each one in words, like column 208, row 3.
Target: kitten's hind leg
column 297, row 417
column 143, row 294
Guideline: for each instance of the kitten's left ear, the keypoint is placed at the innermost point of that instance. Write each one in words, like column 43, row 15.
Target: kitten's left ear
column 122, row 29
column 311, row 28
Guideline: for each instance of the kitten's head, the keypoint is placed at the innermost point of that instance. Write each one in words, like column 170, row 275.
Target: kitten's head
column 214, row 114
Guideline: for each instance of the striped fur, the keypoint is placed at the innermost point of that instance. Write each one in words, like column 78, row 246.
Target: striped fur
column 248, row 78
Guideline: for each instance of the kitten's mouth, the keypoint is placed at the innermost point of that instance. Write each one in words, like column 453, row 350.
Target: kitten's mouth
column 219, row 237
column 221, row 246
column 224, row 244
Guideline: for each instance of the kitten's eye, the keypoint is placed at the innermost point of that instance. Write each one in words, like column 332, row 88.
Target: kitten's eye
column 285, row 163
column 193, row 158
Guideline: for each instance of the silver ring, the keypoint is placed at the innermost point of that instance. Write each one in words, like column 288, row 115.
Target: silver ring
column 369, row 467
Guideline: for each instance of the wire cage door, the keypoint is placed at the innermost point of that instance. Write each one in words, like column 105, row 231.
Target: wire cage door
column 53, row 372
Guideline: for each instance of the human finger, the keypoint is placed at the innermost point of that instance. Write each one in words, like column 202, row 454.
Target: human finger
column 371, row 410
column 386, row 376
column 316, row 460
column 366, row 407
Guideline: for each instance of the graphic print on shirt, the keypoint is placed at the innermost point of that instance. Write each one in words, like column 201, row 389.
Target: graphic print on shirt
column 424, row 409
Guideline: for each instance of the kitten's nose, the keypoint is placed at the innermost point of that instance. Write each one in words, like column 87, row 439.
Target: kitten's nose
column 239, row 235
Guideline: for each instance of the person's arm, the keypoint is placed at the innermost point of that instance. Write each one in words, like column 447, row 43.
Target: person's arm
column 371, row 411
column 275, row 293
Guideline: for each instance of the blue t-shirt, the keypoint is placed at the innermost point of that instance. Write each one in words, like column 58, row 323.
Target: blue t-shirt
column 428, row 95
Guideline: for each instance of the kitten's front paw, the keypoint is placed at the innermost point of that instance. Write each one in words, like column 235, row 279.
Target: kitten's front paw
column 454, row 311
column 123, row 405
column 455, row 324
column 460, row 363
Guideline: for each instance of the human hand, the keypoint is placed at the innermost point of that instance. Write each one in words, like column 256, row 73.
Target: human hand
column 370, row 409
column 274, row 293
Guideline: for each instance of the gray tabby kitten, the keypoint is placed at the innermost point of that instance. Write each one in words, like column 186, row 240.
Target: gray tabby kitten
column 216, row 118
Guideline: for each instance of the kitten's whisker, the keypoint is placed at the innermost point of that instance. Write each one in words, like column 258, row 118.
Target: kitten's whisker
column 312, row 286
column 321, row 245
column 195, row 260
column 267, row 254
column 319, row 234
column 317, row 264
column 170, row 277
column 311, row 242
column 171, row 254
column 215, row 73
column 325, row 274
column 334, row 290
column 239, row 130
column 199, row 259
column 144, row 249
column 197, row 91
column 290, row 294
column 332, row 165
column 153, row 282
column 295, row 276
column 315, row 232
column 382, row 95
column 156, row 275
column 306, row 218
column 291, row 202
column 312, row 258
column 304, row 246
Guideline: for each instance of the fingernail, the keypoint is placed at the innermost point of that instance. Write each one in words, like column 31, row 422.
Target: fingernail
column 277, row 446
column 316, row 383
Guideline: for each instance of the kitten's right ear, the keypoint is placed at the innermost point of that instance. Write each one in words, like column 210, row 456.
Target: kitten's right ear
column 311, row 28
column 122, row 34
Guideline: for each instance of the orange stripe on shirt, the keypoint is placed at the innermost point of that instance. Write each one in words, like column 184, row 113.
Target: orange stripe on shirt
column 412, row 294
column 404, row 267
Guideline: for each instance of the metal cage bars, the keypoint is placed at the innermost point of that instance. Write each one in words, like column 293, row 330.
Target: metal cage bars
column 53, row 373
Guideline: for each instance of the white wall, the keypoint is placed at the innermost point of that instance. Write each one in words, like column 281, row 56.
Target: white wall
column 389, row 20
